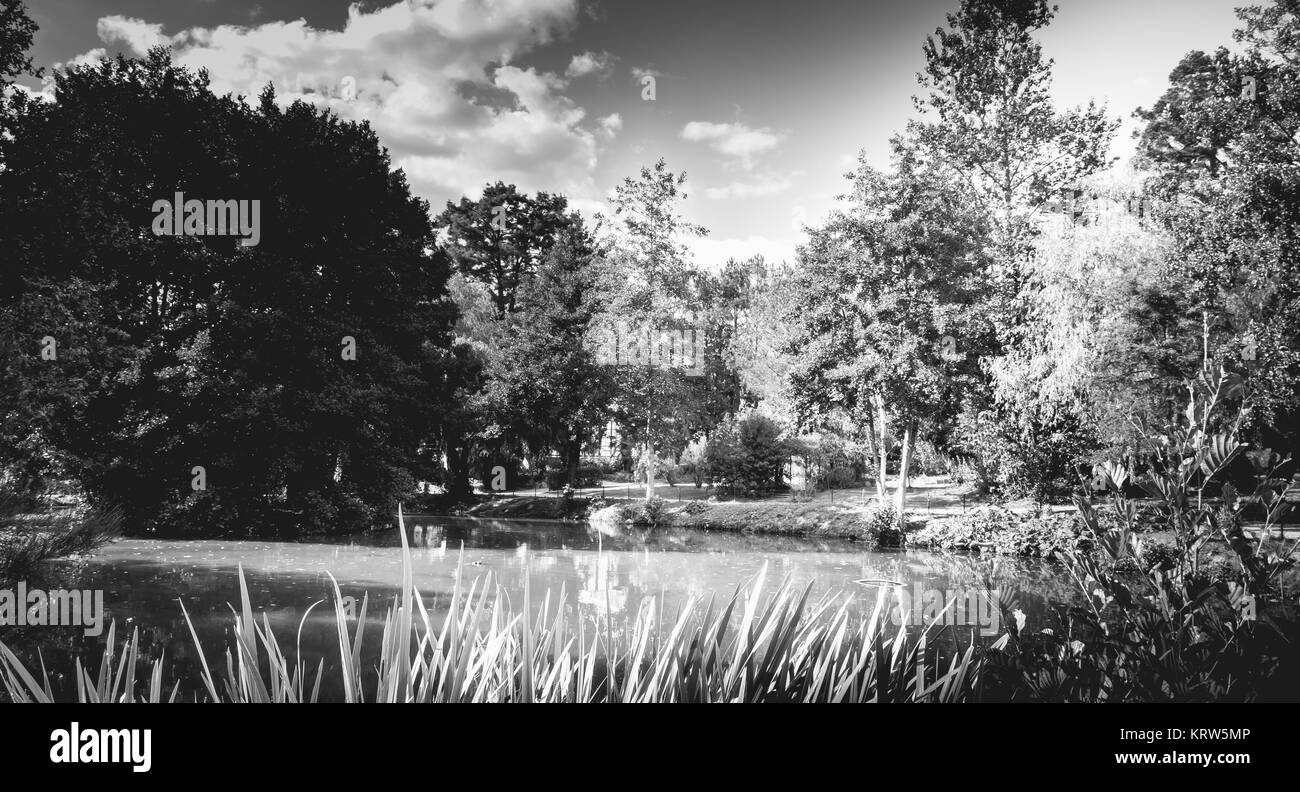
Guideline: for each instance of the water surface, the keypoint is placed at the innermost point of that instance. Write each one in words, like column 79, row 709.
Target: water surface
column 595, row 576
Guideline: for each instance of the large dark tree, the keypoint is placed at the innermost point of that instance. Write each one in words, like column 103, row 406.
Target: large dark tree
column 16, row 32
column 502, row 238
column 184, row 351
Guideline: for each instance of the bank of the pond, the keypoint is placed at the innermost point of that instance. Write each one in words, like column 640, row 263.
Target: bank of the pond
column 983, row 529
column 29, row 536
column 855, row 520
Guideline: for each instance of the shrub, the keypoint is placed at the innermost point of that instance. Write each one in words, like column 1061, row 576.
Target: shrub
column 588, row 475
column 837, row 478
column 653, row 513
column 999, row 530
column 747, row 455
column 1170, row 626
column 882, row 526
column 1038, row 462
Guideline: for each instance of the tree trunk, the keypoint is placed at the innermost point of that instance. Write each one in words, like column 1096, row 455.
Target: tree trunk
column 882, row 418
column 649, row 469
column 574, row 450
column 458, row 485
column 650, row 448
column 904, row 465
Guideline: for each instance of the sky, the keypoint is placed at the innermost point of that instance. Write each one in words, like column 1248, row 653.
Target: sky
column 764, row 104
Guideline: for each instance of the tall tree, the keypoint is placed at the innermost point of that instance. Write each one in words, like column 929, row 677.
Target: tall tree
column 16, row 31
column 654, row 278
column 988, row 119
column 294, row 371
column 1223, row 144
column 549, row 379
column 889, row 303
column 502, row 238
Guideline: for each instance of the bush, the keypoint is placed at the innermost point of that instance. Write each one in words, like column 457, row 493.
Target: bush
column 837, row 478
column 653, row 513
column 882, row 526
column 999, row 530
column 747, row 455
column 1010, row 463
column 831, row 461
column 588, row 475
column 1170, row 627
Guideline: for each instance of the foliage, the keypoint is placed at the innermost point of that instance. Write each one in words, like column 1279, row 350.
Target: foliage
column 650, row 290
column 882, row 526
column 16, row 32
column 747, row 454
column 1169, row 628
column 583, row 477
column 546, row 386
column 1029, row 458
column 1226, row 182
column 184, row 351
column 988, row 117
column 28, row 536
column 996, row 529
column 502, row 238
column 651, row 512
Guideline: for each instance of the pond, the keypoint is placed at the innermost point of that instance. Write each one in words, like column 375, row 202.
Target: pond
column 144, row 581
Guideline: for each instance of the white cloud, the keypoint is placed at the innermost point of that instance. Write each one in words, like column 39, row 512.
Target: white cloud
column 736, row 141
column 763, row 186
column 590, row 63
column 611, row 125
column 418, row 71
column 92, row 58
column 136, row 35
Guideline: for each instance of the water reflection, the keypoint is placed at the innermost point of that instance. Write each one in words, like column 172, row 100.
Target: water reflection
column 592, row 575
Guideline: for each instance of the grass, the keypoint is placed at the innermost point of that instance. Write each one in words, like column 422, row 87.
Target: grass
column 27, row 538
column 848, row 520
column 755, row 646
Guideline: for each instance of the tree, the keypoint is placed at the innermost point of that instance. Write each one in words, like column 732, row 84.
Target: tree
column 502, row 238
column 653, row 278
column 549, row 380
column 16, row 32
column 192, row 351
column 1094, row 351
column 1222, row 146
column 747, row 453
column 886, row 290
column 988, row 120
column 759, row 348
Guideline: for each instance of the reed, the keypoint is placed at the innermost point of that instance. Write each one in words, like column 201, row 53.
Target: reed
column 758, row 645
